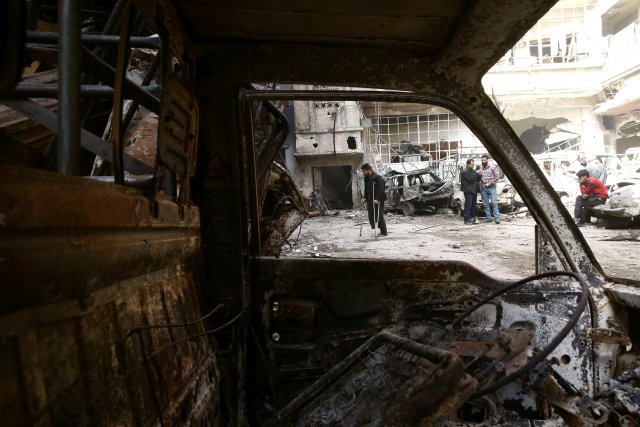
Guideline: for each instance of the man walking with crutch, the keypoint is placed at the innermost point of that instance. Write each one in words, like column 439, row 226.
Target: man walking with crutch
column 374, row 196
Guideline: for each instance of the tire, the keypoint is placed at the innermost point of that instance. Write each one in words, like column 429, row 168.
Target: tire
column 408, row 209
column 457, row 206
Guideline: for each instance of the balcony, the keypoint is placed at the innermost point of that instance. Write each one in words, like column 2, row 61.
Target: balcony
column 623, row 53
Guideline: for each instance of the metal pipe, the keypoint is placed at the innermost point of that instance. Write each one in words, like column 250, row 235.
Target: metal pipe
column 33, row 7
column 105, row 72
column 150, row 42
column 116, row 13
column 69, row 148
column 169, row 183
column 122, row 63
column 35, row 90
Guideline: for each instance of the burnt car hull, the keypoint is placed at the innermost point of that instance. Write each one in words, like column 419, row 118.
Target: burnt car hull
column 418, row 190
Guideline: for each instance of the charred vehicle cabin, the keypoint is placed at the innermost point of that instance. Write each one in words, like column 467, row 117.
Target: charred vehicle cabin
column 141, row 278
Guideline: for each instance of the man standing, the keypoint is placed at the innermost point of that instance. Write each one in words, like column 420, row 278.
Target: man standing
column 489, row 176
column 597, row 170
column 580, row 163
column 374, row 196
column 594, row 193
column 469, row 180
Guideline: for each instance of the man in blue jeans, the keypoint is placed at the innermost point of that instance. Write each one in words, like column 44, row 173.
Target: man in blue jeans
column 489, row 176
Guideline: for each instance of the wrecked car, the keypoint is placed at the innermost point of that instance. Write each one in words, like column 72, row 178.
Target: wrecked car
column 419, row 190
column 622, row 209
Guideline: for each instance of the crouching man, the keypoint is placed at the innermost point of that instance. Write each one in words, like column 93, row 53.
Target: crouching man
column 594, row 193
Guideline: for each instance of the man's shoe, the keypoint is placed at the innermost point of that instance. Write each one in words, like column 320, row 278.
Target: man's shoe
column 383, row 234
column 468, row 222
column 488, row 220
column 497, row 220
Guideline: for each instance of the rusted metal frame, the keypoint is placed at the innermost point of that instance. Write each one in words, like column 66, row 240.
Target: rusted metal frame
column 42, row 90
column 117, row 131
column 33, row 7
column 114, row 17
column 540, row 356
column 168, row 181
column 572, row 405
column 89, row 141
column 148, row 77
column 145, row 357
column 130, row 89
column 441, row 357
column 147, row 369
column 151, row 42
column 553, row 220
column 246, row 130
column 69, row 147
column 272, row 146
column 100, row 67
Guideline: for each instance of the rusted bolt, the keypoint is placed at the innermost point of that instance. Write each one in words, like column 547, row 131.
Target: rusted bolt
column 275, row 336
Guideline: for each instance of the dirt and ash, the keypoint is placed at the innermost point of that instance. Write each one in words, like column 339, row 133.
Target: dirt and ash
column 505, row 250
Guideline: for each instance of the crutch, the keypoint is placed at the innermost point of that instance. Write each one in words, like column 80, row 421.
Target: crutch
column 361, row 224
column 373, row 205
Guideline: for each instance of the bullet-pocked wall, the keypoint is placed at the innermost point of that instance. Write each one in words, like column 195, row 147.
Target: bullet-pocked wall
column 328, row 149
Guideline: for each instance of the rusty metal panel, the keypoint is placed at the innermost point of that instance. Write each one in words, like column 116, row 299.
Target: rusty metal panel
column 68, row 358
column 178, row 127
column 313, row 313
column 99, row 308
column 63, row 237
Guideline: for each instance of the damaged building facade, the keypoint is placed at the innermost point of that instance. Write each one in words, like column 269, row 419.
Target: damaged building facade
column 570, row 84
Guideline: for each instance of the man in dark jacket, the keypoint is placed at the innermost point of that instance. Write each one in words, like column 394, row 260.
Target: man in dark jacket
column 374, row 196
column 594, row 193
column 469, row 184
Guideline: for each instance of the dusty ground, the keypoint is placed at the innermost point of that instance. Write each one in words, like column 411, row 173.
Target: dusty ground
column 504, row 250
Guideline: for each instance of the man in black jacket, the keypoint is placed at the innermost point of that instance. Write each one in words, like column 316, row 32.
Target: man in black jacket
column 374, row 196
column 469, row 184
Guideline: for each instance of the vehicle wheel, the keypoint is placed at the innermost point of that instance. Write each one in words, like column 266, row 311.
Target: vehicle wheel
column 408, row 209
column 458, row 207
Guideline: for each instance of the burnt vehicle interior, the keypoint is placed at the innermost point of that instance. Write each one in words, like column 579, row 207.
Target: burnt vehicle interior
column 141, row 282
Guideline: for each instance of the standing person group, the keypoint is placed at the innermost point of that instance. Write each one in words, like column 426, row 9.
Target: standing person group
column 489, row 176
column 594, row 193
column 374, row 196
column 469, row 184
column 595, row 167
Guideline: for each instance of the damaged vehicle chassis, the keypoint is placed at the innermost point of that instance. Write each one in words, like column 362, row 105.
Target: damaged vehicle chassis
column 155, row 295
column 415, row 191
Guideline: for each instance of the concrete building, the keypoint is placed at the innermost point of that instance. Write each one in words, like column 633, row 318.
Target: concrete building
column 328, row 149
column 571, row 84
